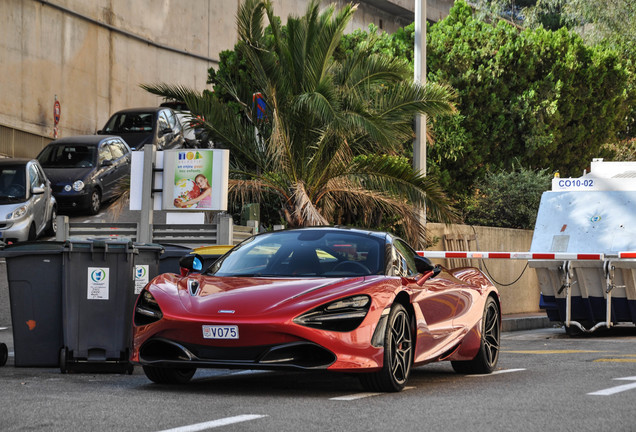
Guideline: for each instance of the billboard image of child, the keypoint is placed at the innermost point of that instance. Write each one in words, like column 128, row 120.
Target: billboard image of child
column 192, row 174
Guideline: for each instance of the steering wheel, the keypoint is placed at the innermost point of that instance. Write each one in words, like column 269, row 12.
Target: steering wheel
column 351, row 266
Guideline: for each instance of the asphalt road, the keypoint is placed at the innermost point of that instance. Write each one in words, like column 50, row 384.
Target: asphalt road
column 546, row 381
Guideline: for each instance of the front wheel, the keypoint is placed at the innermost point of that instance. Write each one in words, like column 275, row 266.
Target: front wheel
column 486, row 359
column 52, row 226
column 95, row 202
column 162, row 375
column 398, row 354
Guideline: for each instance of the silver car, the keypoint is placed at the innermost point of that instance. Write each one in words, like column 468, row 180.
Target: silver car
column 27, row 206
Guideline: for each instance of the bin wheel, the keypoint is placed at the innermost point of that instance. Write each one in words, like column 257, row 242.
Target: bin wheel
column 63, row 355
column 4, row 354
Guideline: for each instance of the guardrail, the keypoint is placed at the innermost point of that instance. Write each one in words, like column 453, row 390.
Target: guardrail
column 222, row 233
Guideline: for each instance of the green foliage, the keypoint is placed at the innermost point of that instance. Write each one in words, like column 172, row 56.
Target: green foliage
column 542, row 97
column 508, row 199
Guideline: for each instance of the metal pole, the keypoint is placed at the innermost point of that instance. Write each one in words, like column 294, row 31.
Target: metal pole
column 147, row 203
column 419, row 145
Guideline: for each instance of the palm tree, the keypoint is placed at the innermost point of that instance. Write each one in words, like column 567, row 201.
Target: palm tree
column 332, row 131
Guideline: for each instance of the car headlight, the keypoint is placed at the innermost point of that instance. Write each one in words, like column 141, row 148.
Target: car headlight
column 147, row 310
column 78, row 186
column 18, row 213
column 341, row 315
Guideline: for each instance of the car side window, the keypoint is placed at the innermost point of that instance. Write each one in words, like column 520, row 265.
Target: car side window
column 34, row 177
column 104, row 153
column 404, row 260
column 162, row 122
column 116, row 150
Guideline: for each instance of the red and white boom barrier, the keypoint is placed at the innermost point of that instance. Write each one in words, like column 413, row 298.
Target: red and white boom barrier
column 560, row 256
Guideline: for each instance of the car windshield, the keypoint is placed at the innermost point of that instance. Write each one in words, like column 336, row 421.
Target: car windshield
column 12, row 183
column 129, row 123
column 68, row 156
column 308, row 253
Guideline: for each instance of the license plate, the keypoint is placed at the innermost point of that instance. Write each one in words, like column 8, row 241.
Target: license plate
column 220, row 332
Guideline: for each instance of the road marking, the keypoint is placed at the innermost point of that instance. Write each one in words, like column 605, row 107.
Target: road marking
column 361, row 395
column 615, row 360
column 552, row 352
column 503, row 371
column 617, row 389
column 216, row 423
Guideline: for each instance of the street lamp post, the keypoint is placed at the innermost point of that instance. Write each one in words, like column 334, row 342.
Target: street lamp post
column 419, row 145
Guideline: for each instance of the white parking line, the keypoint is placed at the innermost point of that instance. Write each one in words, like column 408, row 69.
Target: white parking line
column 216, row 423
column 617, row 389
column 503, row 371
column 360, row 395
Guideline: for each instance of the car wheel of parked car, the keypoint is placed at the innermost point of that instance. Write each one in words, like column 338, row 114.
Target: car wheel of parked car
column 52, row 226
column 96, row 202
column 169, row 375
column 488, row 354
column 398, row 354
column 4, row 354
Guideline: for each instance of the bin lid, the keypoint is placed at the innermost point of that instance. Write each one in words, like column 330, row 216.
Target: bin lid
column 33, row 248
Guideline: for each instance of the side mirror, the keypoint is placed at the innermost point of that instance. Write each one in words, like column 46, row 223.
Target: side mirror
column 165, row 131
column 107, row 162
column 429, row 274
column 422, row 264
column 38, row 190
column 190, row 263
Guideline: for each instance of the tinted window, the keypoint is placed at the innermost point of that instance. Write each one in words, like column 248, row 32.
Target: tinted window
column 304, row 253
column 12, row 183
column 104, row 153
column 162, row 122
column 404, row 260
column 129, row 123
column 68, row 156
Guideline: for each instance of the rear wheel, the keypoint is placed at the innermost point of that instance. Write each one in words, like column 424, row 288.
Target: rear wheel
column 398, row 354
column 486, row 359
column 4, row 354
column 169, row 375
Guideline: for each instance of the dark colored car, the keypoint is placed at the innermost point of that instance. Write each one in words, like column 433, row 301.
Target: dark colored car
column 140, row 126
column 86, row 170
column 27, row 206
column 335, row 299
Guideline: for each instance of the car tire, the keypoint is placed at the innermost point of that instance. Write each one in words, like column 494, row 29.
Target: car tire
column 4, row 354
column 486, row 359
column 95, row 203
column 161, row 375
column 51, row 230
column 398, row 354
column 32, row 233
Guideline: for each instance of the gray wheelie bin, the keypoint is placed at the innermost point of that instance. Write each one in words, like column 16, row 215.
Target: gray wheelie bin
column 34, row 274
column 169, row 260
column 98, row 297
column 146, row 264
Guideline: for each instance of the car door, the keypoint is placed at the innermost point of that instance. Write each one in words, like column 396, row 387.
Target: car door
column 106, row 170
column 435, row 302
column 40, row 200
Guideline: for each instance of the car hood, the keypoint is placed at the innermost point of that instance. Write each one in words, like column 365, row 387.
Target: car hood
column 242, row 296
column 66, row 175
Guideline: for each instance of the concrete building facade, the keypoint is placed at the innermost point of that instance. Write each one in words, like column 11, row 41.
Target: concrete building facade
column 91, row 56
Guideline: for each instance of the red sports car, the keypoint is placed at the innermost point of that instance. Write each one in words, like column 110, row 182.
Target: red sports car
column 344, row 300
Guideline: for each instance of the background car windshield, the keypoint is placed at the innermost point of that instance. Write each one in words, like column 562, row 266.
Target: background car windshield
column 311, row 253
column 12, row 183
column 68, row 156
column 129, row 122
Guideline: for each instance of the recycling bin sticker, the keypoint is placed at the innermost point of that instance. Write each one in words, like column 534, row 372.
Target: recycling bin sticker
column 98, row 283
column 141, row 277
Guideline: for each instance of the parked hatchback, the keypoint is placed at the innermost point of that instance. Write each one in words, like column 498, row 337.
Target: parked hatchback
column 140, row 126
column 27, row 205
column 86, row 170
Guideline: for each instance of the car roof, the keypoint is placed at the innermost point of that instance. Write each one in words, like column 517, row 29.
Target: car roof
column 141, row 110
column 85, row 139
column 15, row 161
column 338, row 229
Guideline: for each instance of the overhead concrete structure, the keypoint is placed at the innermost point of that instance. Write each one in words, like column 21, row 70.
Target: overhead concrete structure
column 91, row 56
